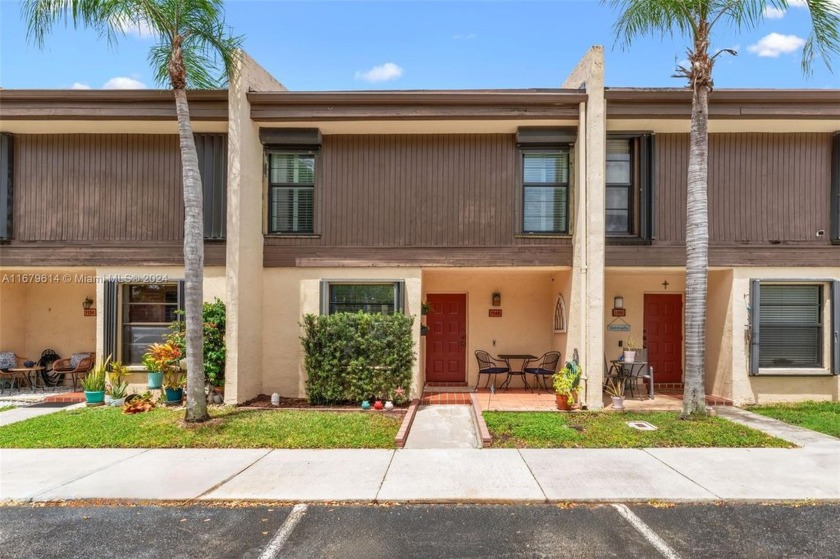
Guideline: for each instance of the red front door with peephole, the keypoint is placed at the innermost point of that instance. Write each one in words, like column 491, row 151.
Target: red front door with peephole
column 446, row 340
column 663, row 335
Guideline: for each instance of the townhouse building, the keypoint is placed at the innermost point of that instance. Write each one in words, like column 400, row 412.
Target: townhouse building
column 529, row 220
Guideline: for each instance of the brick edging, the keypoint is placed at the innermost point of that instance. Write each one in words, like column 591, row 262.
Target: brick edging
column 483, row 432
column 405, row 427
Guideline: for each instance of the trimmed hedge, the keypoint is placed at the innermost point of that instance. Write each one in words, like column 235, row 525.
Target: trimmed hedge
column 353, row 357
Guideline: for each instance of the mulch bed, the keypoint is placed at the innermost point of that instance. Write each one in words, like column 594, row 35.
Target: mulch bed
column 263, row 401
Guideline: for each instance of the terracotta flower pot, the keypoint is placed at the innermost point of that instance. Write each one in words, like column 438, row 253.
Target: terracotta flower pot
column 563, row 402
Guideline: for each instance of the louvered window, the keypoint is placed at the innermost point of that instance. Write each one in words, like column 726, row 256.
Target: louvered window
column 546, row 191
column 790, row 326
column 619, row 199
column 291, row 179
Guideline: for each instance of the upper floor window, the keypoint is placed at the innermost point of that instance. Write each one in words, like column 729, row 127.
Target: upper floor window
column 545, row 179
column 628, row 201
column 619, row 178
column 291, row 186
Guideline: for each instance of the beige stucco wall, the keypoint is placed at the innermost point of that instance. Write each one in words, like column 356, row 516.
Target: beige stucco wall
column 719, row 334
column 245, row 234
column 290, row 293
column 526, row 324
column 586, row 303
column 790, row 387
column 35, row 316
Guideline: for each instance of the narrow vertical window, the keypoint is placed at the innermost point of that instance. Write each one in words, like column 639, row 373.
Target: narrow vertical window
column 291, row 179
column 546, row 191
column 619, row 197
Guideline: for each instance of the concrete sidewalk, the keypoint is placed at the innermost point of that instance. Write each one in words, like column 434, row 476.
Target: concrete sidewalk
column 433, row 475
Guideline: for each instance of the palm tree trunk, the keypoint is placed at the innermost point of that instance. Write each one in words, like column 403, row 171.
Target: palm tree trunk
column 697, row 255
column 193, row 263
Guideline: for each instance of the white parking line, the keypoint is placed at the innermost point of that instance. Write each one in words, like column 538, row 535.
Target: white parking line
column 646, row 531
column 273, row 548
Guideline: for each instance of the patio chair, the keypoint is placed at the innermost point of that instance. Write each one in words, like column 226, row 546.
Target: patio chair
column 487, row 365
column 640, row 371
column 79, row 364
column 545, row 367
column 48, row 376
column 10, row 360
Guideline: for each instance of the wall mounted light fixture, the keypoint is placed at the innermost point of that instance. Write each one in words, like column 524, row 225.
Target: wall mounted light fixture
column 497, row 299
column 618, row 302
column 87, row 303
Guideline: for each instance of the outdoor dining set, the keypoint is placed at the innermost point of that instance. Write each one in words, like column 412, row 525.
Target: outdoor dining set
column 18, row 372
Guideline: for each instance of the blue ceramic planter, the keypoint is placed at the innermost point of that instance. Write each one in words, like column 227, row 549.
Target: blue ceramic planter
column 174, row 395
column 95, row 397
column 155, row 379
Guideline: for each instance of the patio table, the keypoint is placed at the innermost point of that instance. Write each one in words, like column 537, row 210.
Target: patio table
column 25, row 372
column 628, row 370
column 524, row 358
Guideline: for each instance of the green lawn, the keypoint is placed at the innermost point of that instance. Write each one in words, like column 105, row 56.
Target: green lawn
column 819, row 416
column 609, row 430
column 107, row 427
column 7, row 408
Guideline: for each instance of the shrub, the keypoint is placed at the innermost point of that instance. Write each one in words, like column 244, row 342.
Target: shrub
column 352, row 357
column 214, row 318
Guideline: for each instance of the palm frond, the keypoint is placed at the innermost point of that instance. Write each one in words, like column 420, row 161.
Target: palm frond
column 653, row 18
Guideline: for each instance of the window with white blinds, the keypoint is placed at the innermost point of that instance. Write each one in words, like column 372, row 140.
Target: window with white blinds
column 545, row 207
column 790, row 326
column 291, row 180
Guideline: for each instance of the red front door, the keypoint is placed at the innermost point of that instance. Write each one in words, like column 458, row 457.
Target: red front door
column 446, row 341
column 663, row 335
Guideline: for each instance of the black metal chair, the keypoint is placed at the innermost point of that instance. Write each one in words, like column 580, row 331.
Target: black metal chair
column 488, row 365
column 545, row 367
column 641, row 370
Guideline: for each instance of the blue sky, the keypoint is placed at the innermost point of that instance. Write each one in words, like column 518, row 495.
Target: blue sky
column 338, row 45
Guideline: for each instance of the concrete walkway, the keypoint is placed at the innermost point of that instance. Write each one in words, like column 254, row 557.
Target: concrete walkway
column 449, row 426
column 26, row 412
column 433, row 475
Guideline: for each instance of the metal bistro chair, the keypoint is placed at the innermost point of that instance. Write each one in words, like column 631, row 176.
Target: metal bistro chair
column 545, row 367
column 487, row 365
column 642, row 371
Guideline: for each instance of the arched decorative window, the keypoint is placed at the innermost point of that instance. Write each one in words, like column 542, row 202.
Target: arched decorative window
column 560, row 315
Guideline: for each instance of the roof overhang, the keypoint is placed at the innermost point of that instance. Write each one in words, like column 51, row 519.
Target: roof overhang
column 808, row 104
column 416, row 105
column 99, row 105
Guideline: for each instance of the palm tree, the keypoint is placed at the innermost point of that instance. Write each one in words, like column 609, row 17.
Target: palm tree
column 697, row 19
column 192, row 48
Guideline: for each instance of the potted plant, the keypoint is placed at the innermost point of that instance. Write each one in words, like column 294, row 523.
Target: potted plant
column 630, row 348
column 166, row 358
column 566, row 383
column 155, row 377
column 94, row 384
column 425, row 308
column 615, row 388
column 117, row 385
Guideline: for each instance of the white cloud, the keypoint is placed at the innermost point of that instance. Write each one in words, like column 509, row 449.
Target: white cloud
column 383, row 73
column 123, row 82
column 79, row 85
column 139, row 29
column 775, row 44
column 834, row 4
column 773, row 13
column 465, row 37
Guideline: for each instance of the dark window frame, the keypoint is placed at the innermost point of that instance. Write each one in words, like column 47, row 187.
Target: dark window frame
column 834, row 200
column 524, row 151
column 830, row 296
column 274, row 188
column 120, row 307
column 642, row 207
column 632, row 188
column 327, row 284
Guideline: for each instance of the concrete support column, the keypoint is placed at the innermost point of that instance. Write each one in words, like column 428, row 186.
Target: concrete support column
column 244, row 337
column 586, row 307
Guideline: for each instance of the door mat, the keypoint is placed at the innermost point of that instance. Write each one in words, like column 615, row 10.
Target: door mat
column 53, row 405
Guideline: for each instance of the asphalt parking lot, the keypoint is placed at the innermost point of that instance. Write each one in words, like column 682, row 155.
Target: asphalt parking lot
column 440, row 531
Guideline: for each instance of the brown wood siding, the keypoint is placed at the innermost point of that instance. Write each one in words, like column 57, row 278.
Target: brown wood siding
column 98, row 187
column 416, row 190
column 763, row 188
column 102, row 254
